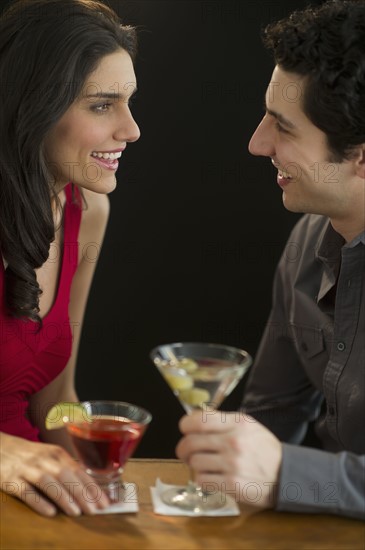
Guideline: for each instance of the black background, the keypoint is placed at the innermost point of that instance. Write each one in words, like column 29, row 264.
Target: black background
column 197, row 224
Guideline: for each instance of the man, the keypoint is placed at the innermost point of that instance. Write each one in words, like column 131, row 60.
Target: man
column 311, row 361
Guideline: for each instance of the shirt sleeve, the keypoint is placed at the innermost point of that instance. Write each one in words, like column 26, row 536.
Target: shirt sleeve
column 315, row 481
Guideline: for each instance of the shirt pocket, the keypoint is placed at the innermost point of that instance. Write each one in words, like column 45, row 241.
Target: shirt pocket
column 309, row 341
column 312, row 353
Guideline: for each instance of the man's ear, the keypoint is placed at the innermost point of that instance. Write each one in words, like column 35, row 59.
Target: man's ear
column 360, row 161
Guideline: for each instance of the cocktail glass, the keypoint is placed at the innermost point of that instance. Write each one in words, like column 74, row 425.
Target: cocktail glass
column 105, row 438
column 201, row 376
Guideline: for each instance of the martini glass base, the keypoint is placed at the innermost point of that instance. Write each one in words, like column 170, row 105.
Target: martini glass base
column 193, row 500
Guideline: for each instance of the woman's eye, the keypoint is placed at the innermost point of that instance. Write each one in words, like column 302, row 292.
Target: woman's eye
column 102, row 108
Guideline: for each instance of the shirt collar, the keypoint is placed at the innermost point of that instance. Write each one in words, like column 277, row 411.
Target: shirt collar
column 329, row 251
column 329, row 245
column 357, row 240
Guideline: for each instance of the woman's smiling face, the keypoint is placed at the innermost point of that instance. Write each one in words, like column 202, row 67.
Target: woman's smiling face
column 86, row 143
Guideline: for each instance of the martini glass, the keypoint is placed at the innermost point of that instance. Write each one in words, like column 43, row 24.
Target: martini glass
column 201, row 376
column 104, row 438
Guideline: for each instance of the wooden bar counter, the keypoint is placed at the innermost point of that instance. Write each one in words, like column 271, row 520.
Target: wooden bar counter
column 23, row 528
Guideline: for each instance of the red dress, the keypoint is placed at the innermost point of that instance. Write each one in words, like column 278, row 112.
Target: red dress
column 30, row 360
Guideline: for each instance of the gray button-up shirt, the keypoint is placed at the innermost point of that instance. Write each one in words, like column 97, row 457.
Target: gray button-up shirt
column 311, row 366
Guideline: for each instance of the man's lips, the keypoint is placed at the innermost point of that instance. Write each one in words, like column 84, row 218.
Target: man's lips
column 282, row 173
column 283, row 176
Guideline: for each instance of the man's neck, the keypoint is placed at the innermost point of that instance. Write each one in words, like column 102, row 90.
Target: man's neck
column 349, row 229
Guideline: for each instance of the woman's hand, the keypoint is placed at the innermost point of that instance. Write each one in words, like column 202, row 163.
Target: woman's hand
column 232, row 453
column 46, row 477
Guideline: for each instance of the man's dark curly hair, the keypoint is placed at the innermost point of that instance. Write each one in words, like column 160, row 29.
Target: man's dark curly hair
column 326, row 45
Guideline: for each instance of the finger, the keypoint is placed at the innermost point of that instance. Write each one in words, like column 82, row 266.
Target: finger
column 85, row 491
column 29, row 494
column 76, row 491
column 59, row 493
column 208, row 463
column 93, row 491
column 199, row 443
column 212, row 421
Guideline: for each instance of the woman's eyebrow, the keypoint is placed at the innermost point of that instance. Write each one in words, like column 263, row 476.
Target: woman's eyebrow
column 110, row 95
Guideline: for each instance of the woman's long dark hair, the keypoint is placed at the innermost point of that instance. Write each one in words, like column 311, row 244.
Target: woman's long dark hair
column 47, row 50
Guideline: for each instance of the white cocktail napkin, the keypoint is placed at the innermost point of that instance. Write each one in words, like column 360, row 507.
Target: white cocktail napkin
column 230, row 507
column 128, row 502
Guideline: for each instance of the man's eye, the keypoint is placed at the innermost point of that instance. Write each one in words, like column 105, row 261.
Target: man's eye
column 280, row 128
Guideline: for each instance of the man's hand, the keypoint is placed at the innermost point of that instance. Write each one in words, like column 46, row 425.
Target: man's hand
column 232, row 453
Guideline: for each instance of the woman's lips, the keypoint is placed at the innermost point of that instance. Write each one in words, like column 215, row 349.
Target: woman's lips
column 107, row 164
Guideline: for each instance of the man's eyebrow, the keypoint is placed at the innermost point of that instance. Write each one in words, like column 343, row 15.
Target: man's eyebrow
column 110, row 95
column 284, row 121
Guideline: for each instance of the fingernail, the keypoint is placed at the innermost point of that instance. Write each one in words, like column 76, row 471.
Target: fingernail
column 50, row 511
column 75, row 510
column 91, row 508
column 104, row 501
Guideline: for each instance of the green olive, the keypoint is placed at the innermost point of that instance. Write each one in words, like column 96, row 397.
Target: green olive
column 195, row 397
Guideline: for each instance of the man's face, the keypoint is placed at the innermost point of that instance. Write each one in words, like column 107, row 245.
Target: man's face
column 299, row 150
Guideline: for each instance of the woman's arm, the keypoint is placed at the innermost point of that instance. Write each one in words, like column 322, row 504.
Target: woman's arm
column 91, row 235
column 31, row 470
column 46, row 477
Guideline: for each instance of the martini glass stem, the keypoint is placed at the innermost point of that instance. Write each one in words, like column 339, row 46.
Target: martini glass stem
column 192, row 487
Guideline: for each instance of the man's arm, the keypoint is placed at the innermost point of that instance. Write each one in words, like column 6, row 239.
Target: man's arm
column 235, row 454
column 315, row 481
column 278, row 392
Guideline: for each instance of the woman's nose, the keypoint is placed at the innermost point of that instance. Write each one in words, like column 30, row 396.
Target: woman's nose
column 128, row 129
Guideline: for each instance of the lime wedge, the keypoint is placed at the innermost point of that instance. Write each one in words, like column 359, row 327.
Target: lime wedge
column 62, row 413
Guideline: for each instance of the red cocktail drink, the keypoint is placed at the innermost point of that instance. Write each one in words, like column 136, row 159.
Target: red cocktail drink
column 105, row 444
column 105, row 438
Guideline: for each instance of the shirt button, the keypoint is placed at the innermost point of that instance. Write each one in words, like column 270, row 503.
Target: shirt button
column 341, row 346
column 331, row 411
column 304, row 346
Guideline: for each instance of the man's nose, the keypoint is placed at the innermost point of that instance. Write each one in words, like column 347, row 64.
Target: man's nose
column 261, row 142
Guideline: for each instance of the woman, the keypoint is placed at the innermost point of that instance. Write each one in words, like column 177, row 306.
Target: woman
column 66, row 78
